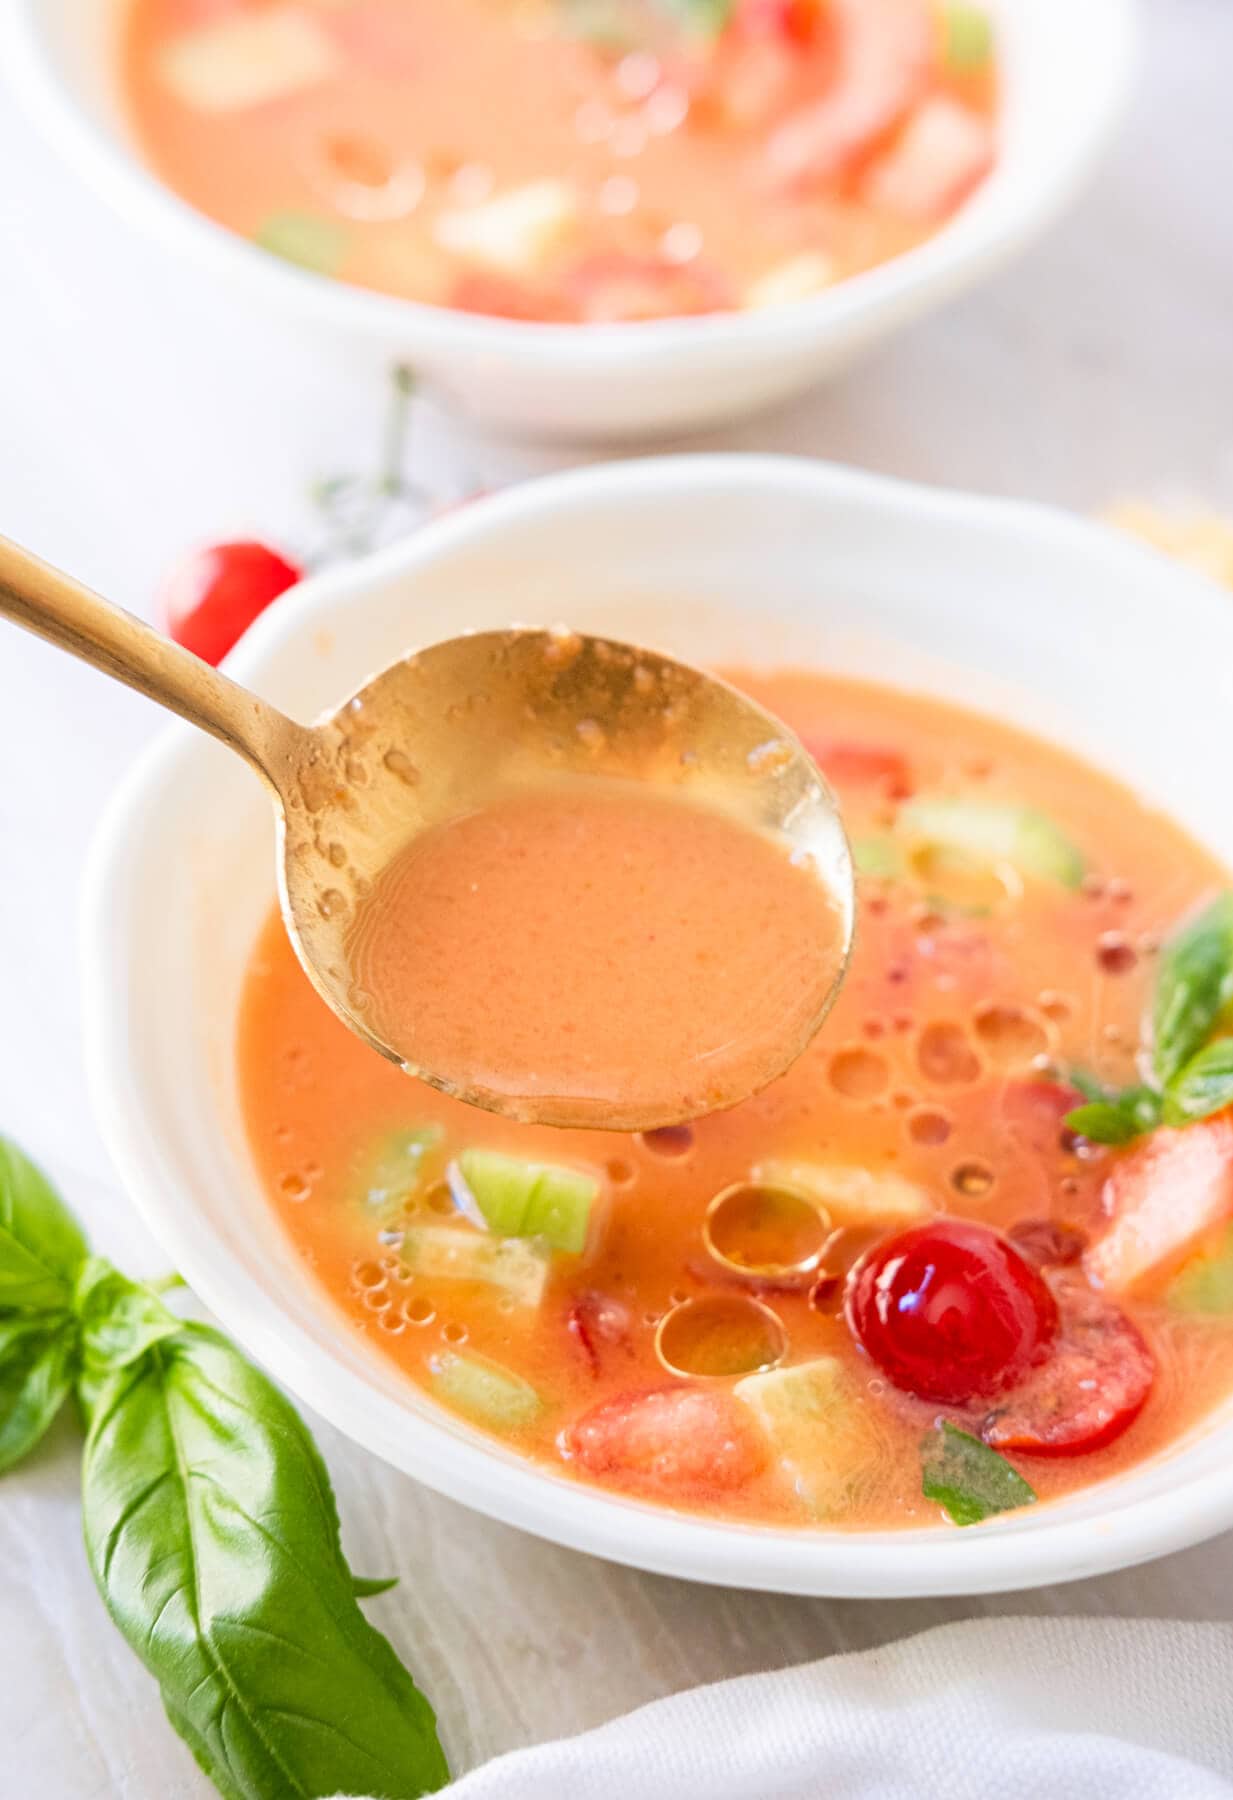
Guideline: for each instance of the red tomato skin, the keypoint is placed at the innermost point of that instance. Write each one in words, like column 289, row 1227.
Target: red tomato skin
column 1089, row 1390
column 667, row 1441
column 950, row 1311
column 215, row 594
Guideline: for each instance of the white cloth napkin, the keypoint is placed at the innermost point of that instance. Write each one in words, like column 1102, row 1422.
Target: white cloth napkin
column 1037, row 1709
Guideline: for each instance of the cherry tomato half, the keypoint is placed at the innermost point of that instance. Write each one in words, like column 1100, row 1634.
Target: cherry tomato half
column 1091, row 1386
column 215, row 594
column 950, row 1311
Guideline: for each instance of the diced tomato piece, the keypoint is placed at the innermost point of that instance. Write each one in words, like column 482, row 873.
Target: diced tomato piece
column 941, row 154
column 614, row 286
column 503, row 297
column 597, row 1321
column 846, row 761
column 1092, row 1386
column 212, row 597
column 1162, row 1196
column 795, row 21
column 668, row 1441
column 1034, row 1113
column 886, row 50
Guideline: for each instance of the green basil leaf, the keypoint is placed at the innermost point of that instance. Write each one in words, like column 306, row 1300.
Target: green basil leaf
column 119, row 1319
column 365, row 1586
column 37, row 1356
column 968, row 1480
column 41, row 1245
column 1193, row 987
column 1087, row 1084
column 1204, row 1086
column 212, row 1534
column 1103, row 1122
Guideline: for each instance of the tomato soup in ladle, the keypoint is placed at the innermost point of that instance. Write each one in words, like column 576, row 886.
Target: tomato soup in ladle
column 599, row 945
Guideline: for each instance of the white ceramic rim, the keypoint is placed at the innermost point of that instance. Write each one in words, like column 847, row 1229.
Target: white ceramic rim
column 861, row 1565
column 974, row 240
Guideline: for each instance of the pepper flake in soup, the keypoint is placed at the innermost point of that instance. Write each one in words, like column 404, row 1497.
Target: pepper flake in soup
column 570, row 160
column 974, row 1251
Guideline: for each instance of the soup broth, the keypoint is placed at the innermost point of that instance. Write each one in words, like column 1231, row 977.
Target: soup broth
column 895, row 1276
column 569, row 160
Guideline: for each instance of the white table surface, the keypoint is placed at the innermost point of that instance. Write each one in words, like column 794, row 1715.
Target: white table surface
column 138, row 415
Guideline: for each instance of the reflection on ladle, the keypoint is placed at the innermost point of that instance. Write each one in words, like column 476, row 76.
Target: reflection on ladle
column 428, row 743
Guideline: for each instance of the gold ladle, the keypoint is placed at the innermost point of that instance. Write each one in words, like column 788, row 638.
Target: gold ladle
column 429, row 739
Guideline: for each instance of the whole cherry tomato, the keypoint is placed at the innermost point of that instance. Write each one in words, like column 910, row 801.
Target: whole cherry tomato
column 215, row 594
column 950, row 1311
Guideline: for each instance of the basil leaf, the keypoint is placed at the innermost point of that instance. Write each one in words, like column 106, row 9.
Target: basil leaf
column 968, row 1480
column 212, row 1534
column 1203, row 1087
column 1193, row 987
column 41, row 1246
column 37, row 1354
column 1103, row 1122
column 365, row 1586
column 119, row 1319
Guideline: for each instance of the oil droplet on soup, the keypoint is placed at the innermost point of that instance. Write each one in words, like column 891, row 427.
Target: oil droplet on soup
column 598, row 942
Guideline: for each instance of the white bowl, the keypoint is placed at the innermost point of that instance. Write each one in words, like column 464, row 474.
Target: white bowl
column 1067, row 66
column 1059, row 625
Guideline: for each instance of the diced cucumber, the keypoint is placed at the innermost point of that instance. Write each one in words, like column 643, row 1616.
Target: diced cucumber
column 304, row 239
column 247, row 57
column 528, row 1199
column 515, row 232
column 397, row 1167
column 991, row 834
column 849, row 1194
column 822, row 1429
column 484, row 1391
column 967, row 40
column 460, row 1253
column 879, row 857
column 1205, row 1285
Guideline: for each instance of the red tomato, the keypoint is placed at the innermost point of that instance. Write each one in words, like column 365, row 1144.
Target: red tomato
column 796, row 21
column 597, row 1321
column 1090, row 1388
column 215, row 594
column 862, row 763
column 503, row 297
column 668, row 1441
column 950, row 1311
column 1163, row 1197
column 613, row 286
column 1034, row 1112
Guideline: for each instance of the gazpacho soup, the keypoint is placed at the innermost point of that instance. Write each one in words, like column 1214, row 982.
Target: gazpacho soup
column 569, row 160
column 973, row 1251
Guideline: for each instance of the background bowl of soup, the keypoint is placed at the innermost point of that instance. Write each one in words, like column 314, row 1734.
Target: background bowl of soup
column 741, row 562
column 1062, row 74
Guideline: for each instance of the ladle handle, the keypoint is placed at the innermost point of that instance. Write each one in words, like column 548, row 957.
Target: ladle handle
column 54, row 606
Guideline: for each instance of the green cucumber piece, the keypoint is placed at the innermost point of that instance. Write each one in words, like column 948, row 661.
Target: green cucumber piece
column 849, row 1194
column 878, row 857
column 1205, row 1284
column 396, row 1167
column 967, row 39
column 528, row 1199
column 823, row 1431
column 303, row 239
column 484, row 1391
column 461, row 1253
column 991, row 834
